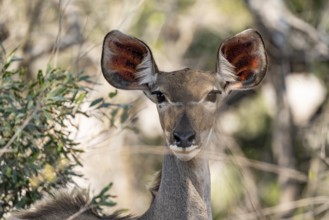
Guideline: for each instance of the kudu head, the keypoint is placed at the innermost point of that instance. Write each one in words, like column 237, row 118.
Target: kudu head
column 186, row 99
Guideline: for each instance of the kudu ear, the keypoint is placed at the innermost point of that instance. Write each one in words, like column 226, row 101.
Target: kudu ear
column 127, row 62
column 242, row 61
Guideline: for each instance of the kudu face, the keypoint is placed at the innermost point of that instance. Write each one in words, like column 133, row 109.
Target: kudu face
column 186, row 99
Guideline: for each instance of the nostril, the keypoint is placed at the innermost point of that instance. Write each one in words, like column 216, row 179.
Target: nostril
column 177, row 138
column 191, row 138
column 184, row 139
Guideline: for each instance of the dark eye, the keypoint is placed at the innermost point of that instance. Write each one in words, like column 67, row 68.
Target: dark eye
column 212, row 96
column 160, row 96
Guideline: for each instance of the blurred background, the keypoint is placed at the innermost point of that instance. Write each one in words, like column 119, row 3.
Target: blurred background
column 272, row 159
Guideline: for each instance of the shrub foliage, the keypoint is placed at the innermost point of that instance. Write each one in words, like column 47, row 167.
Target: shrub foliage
column 37, row 152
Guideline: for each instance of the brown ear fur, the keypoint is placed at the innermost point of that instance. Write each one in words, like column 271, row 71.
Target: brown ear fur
column 242, row 60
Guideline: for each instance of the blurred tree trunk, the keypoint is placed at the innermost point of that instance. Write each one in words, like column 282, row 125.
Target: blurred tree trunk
column 289, row 39
column 4, row 34
column 69, row 31
column 283, row 141
column 33, row 13
column 270, row 16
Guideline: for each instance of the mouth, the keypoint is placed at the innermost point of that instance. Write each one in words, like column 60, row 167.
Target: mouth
column 185, row 153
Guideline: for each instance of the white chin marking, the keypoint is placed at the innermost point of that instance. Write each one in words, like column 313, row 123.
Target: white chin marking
column 185, row 154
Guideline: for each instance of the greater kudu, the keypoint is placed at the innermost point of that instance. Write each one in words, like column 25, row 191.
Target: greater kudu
column 188, row 102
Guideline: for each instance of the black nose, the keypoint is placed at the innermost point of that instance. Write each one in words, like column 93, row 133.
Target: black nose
column 184, row 138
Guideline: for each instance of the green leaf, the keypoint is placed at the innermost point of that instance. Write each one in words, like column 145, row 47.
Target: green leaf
column 96, row 101
column 104, row 105
column 113, row 94
column 58, row 91
column 84, row 78
column 57, row 98
column 109, row 203
column 105, row 189
column 124, row 115
column 40, row 77
column 80, row 98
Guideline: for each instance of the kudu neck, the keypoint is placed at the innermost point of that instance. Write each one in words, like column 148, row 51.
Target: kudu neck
column 184, row 191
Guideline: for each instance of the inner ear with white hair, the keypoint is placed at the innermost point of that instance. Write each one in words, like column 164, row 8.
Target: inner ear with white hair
column 127, row 63
column 242, row 61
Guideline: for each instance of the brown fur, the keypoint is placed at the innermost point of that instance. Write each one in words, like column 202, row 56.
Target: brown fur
column 64, row 205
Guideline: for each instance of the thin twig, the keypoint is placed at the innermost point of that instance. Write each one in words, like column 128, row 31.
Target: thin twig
column 272, row 168
column 283, row 207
